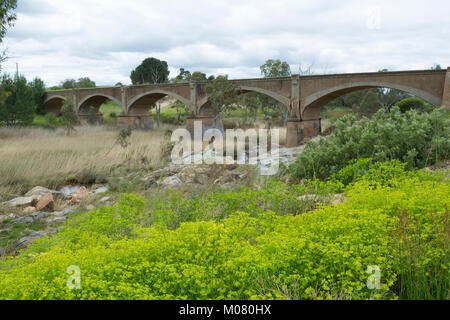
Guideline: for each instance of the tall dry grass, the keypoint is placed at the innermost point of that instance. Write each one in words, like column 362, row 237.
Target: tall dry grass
column 33, row 156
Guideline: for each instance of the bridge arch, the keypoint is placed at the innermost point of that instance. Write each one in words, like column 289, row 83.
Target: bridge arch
column 54, row 104
column 246, row 89
column 313, row 104
column 95, row 100
column 144, row 101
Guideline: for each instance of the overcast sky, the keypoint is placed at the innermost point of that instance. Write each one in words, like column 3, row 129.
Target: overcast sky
column 106, row 39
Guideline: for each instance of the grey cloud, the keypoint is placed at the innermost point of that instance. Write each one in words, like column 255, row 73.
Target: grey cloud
column 105, row 39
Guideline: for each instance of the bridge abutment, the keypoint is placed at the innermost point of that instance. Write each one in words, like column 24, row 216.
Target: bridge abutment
column 446, row 94
column 139, row 122
column 298, row 130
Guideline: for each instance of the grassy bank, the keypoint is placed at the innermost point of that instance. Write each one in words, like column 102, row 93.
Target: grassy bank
column 35, row 156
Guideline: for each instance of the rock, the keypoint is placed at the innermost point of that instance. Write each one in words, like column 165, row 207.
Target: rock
column 41, row 191
column 39, row 215
column 79, row 195
column 104, row 199
column 172, row 181
column 46, row 202
column 101, row 190
column 55, row 220
column 22, row 201
column 29, row 210
column 69, row 190
column 63, row 212
column 25, row 241
column 23, row 220
column 90, row 207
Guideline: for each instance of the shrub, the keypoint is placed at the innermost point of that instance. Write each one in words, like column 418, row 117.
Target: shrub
column 416, row 139
column 261, row 254
column 411, row 104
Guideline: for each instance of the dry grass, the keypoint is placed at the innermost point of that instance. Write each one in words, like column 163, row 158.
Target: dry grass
column 30, row 156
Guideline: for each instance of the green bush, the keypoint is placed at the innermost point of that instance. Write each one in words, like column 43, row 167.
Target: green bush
column 416, row 139
column 411, row 104
column 324, row 254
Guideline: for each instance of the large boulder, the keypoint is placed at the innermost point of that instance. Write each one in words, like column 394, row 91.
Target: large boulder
column 23, row 201
column 46, row 202
column 41, row 191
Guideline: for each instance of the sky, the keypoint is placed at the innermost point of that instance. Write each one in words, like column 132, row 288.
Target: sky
column 106, row 39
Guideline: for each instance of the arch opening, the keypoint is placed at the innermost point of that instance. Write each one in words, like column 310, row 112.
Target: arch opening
column 54, row 105
column 143, row 103
column 97, row 101
column 314, row 104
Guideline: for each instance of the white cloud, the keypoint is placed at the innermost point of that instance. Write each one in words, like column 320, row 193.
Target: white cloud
column 106, row 39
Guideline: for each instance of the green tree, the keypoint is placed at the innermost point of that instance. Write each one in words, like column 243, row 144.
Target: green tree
column 222, row 95
column 272, row 108
column 92, row 116
column 7, row 15
column 436, row 67
column 85, row 83
column 411, row 104
column 370, row 104
column 151, row 70
column 198, row 76
column 183, row 76
column 275, row 68
column 7, row 19
column 68, row 84
column 19, row 106
column 38, row 87
column 69, row 116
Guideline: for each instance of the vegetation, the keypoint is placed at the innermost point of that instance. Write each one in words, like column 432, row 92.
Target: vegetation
column 151, row 70
column 250, row 245
column 22, row 101
column 416, row 139
column 82, row 83
column 35, row 156
column 69, row 116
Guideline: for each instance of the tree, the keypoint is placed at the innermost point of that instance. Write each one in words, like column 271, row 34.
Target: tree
column 272, row 108
column 68, row 84
column 389, row 97
column 92, row 116
column 222, row 95
column 69, row 116
column 436, row 67
column 370, row 104
column 275, row 68
column 19, row 106
column 151, row 70
column 411, row 104
column 183, row 76
column 85, row 83
column 7, row 15
column 7, row 19
column 198, row 76
column 38, row 87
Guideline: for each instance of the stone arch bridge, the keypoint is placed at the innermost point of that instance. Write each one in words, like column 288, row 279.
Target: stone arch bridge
column 303, row 96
